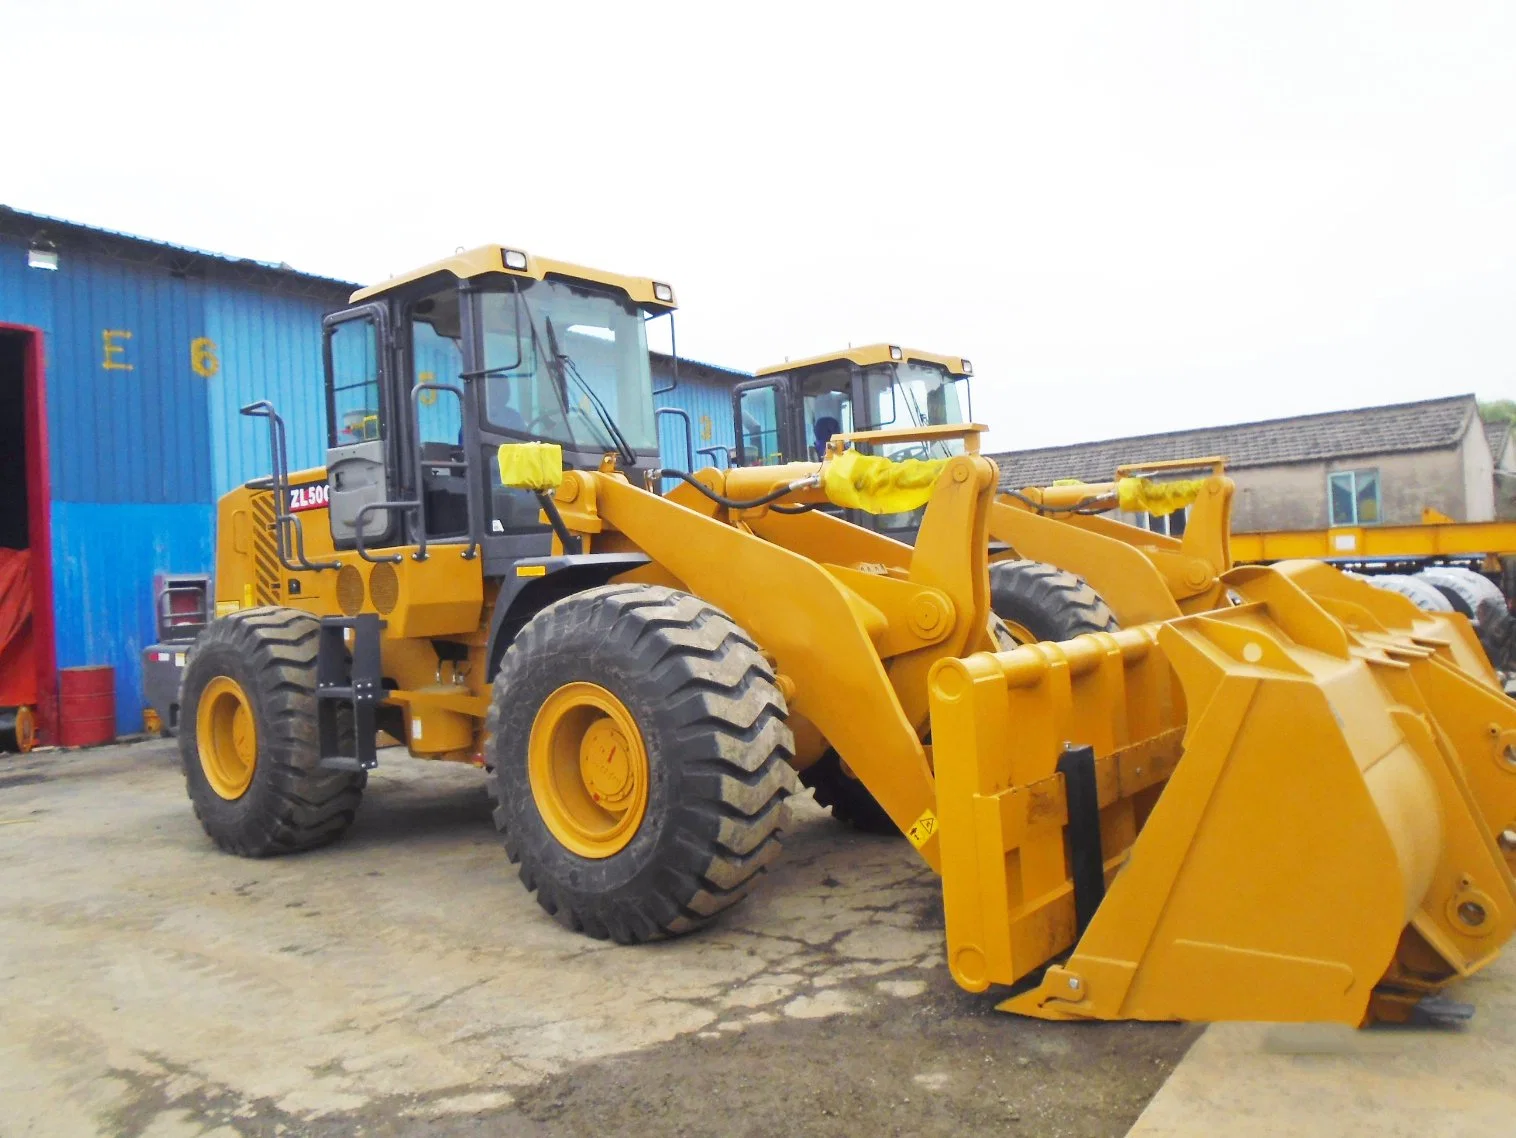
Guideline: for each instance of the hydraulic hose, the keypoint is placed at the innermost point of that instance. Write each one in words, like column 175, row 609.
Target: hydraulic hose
column 734, row 503
column 1086, row 506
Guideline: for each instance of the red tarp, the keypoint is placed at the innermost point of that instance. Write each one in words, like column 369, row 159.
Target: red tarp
column 18, row 666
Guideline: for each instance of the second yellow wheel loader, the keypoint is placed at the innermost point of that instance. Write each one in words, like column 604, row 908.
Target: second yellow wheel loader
column 1273, row 794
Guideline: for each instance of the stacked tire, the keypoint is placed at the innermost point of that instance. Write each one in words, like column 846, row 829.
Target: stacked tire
column 1480, row 599
column 1450, row 589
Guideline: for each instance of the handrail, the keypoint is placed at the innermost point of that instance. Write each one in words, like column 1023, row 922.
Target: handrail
column 358, row 525
column 289, row 534
column 475, row 508
column 726, row 453
column 689, row 432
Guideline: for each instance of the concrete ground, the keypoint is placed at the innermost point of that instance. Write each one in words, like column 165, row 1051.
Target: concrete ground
column 1249, row 1080
column 402, row 982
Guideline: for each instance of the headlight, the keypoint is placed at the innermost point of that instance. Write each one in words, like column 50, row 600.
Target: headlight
column 515, row 259
column 663, row 292
column 896, row 353
column 968, row 368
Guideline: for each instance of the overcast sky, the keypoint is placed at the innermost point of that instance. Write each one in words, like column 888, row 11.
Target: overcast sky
column 1131, row 216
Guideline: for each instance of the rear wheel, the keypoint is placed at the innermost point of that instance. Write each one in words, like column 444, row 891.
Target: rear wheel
column 640, row 761
column 1041, row 602
column 848, row 798
column 248, row 737
column 1031, row 601
column 18, row 729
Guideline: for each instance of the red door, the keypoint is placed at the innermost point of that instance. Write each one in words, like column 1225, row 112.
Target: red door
column 28, row 661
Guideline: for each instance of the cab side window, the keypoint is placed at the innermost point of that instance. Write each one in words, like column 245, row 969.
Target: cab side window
column 356, row 415
column 759, row 415
column 437, row 357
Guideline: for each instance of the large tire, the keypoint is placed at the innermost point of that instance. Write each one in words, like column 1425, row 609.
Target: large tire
column 1481, row 600
column 1041, row 602
column 849, row 799
column 702, row 721
column 286, row 802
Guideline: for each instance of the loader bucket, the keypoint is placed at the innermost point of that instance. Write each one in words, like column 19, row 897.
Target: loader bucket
column 1291, row 809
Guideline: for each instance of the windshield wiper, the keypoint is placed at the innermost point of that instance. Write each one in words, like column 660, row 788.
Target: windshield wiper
column 566, row 367
column 921, row 417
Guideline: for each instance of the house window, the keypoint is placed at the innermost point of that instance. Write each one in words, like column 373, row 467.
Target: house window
column 1353, row 497
column 1170, row 525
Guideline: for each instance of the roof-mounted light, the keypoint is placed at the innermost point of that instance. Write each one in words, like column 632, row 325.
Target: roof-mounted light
column 896, row 353
column 968, row 368
column 515, row 259
column 663, row 292
column 42, row 254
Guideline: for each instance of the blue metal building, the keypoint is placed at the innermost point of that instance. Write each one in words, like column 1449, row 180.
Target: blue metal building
column 134, row 356
column 695, row 426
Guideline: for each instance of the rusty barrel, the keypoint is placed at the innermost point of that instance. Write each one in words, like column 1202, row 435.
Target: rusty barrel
column 86, row 705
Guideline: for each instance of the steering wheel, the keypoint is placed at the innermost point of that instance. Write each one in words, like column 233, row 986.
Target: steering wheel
column 916, row 452
column 539, row 425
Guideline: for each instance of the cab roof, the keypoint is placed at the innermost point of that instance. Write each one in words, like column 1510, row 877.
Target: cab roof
column 493, row 259
column 874, row 354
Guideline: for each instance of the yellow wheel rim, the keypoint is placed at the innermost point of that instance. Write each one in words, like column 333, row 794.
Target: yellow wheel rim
column 227, row 737
column 25, row 730
column 588, row 769
column 1019, row 632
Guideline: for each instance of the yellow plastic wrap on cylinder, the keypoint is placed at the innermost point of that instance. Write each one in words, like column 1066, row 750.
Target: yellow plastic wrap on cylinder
column 878, row 485
column 1144, row 495
column 531, row 466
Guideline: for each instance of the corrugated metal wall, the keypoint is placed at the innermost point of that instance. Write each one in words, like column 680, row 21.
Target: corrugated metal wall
column 705, row 394
column 269, row 347
column 145, row 369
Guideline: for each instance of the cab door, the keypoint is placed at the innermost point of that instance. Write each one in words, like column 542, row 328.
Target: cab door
column 361, row 423
column 761, row 415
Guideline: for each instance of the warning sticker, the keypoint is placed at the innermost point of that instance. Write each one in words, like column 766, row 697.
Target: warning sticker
column 922, row 829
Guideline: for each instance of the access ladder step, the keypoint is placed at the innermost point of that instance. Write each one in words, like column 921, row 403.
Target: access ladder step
column 352, row 684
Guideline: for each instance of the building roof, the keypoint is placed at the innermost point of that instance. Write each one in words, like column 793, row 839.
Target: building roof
column 1496, row 434
column 1430, row 424
column 663, row 359
column 38, row 227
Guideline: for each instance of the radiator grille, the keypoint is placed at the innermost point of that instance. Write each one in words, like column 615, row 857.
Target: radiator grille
column 266, row 581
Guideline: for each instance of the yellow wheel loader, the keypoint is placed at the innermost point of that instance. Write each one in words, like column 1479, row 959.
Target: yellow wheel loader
column 1272, row 794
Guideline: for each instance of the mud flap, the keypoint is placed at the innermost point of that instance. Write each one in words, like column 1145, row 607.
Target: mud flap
column 1301, row 806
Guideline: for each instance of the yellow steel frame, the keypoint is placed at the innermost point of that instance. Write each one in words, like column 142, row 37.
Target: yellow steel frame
column 1488, row 540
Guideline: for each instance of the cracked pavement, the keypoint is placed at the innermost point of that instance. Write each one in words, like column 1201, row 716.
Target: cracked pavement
column 403, row 980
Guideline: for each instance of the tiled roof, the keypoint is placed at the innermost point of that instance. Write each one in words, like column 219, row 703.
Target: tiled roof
column 1428, row 425
column 1496, row 434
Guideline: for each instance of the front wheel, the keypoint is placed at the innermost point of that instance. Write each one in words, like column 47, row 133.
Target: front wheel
column 640, row 761
column 247, row 736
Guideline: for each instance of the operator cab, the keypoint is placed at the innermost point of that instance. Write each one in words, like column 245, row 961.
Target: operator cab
column 790, row 411
column 428, row 373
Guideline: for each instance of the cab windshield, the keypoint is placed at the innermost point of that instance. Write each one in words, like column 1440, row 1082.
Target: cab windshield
column 560, row 358
column 915, row 394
